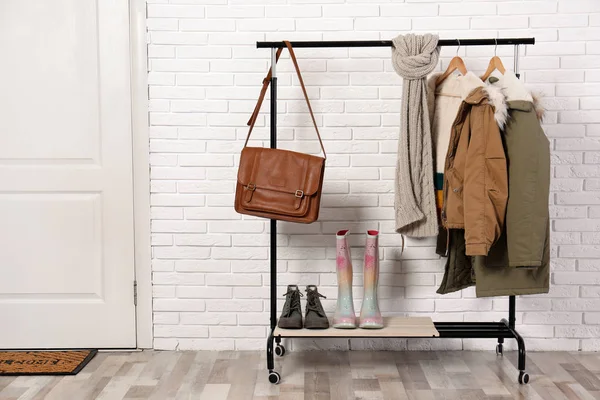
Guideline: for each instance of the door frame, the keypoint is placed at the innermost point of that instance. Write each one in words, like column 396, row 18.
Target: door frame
column 141, row 172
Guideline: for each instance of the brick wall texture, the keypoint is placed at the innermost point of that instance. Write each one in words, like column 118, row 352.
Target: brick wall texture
column 210, row 265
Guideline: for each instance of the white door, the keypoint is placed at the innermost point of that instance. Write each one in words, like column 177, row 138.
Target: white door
column 66, row 192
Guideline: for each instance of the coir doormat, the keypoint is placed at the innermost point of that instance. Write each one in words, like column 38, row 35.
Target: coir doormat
column 66, row 362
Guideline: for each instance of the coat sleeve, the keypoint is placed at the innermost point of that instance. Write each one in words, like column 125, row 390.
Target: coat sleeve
column 485, row 184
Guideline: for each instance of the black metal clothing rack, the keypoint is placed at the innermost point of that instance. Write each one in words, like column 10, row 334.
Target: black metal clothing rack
column 504, row 329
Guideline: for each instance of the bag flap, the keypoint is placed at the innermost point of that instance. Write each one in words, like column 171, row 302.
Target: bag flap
column 280, row 170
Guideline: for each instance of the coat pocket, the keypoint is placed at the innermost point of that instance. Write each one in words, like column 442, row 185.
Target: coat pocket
column 497, row 191
column 496, row 177
column 455, row 183
column 454, row 199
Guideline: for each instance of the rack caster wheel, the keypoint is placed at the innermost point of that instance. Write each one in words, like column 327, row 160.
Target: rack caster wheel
column 280, row 350
column 275, row 378
column 499, row 349
column 523, row 378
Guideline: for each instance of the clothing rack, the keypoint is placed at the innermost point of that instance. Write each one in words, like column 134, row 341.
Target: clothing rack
column 504, row 329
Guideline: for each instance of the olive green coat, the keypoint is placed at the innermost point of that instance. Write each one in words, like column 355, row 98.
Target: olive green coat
column 519, row 262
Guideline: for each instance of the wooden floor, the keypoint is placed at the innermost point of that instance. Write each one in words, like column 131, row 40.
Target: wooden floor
column 317, row 375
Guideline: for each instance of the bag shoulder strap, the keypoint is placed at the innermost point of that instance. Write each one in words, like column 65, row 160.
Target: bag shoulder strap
column 263, row 92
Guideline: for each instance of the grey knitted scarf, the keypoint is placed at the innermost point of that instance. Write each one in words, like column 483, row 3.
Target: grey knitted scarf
column 413, row 57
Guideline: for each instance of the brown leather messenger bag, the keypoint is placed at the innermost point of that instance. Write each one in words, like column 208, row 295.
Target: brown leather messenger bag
column 280, row 184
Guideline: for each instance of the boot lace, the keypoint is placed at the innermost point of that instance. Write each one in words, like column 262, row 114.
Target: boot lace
column 313, row 303
column 293, row 301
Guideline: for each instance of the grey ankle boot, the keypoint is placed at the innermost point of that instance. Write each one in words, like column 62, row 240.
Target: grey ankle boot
column 315, row 315
column 291, row 316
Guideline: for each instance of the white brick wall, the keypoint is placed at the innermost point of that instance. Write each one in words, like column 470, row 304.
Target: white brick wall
column 211, row 265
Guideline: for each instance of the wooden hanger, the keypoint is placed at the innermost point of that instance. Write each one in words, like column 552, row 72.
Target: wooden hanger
column 495, row 64
column 456, row 63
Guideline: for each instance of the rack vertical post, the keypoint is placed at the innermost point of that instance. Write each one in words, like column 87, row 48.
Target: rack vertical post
column 273, row 223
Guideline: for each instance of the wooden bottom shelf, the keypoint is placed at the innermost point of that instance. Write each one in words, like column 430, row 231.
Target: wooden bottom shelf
column 394, row 327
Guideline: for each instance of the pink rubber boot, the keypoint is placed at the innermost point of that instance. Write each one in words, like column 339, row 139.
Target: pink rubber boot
column 370, row 316
column 344, row 317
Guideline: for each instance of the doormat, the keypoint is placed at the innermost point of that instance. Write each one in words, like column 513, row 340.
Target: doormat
column 68, row 362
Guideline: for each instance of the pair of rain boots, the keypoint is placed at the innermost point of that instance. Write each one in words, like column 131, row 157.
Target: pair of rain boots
column 291, row 316
column 370, row 316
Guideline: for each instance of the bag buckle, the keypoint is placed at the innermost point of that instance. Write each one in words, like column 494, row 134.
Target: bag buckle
column 299, row 193
column 251, row 187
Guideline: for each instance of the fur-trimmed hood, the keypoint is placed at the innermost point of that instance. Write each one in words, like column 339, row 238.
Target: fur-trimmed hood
column 514, row 90
column 460, row 86
column 540, row 111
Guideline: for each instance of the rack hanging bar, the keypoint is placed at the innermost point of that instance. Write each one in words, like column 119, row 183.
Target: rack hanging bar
column 388, row 43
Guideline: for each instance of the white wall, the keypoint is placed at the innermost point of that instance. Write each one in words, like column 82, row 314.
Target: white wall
column 211, row 265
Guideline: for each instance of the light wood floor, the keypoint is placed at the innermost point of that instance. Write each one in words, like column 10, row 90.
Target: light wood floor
column 319, row 376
